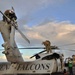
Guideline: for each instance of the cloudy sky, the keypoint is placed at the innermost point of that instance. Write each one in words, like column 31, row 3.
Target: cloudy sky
column 42, row 20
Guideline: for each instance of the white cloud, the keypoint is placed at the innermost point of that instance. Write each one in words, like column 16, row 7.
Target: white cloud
column 57, row 32
column 34, row 35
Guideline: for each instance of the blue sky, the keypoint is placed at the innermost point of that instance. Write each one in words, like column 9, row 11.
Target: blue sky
column 57, row 11
column 42, row 20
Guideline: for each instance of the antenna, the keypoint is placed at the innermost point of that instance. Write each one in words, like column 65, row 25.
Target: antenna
column 12, row 8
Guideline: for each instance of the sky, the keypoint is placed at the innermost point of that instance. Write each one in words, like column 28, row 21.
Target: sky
column 42, row 20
